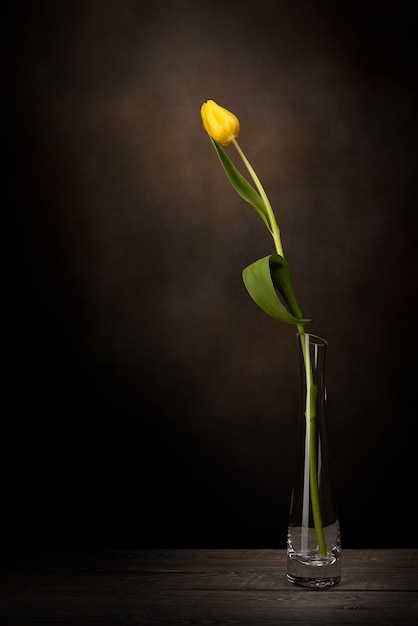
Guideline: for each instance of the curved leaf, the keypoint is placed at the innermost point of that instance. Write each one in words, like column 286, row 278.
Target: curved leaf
column 241, row 184
column 262, row 278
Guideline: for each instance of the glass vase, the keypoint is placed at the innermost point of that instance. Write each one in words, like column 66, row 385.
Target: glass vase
column 313, row 541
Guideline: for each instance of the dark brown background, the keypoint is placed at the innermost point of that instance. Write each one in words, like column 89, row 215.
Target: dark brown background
column 148, row 401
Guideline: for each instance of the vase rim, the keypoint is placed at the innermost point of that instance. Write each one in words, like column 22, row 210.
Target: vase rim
column 315, row 339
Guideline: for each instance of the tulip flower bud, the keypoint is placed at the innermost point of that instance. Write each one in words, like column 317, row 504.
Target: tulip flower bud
column 219, row 123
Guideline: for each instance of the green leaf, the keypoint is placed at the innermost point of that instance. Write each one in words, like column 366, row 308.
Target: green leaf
column 241, row 184
column 263, row 279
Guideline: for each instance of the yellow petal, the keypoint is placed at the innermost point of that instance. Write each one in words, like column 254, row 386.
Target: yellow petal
column 219, row 123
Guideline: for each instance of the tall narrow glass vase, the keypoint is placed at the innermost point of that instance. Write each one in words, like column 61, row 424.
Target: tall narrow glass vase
column 313, row 543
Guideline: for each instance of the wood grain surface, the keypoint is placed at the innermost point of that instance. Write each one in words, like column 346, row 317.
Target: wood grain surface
column 169, row 587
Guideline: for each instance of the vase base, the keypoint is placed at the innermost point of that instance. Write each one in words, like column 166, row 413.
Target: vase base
column 314, row 583
column 308, row 568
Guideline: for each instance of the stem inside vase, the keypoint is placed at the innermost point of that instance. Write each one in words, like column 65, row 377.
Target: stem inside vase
column 311, row 454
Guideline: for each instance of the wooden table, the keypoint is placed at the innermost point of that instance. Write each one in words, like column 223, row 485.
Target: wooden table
column 170, row 587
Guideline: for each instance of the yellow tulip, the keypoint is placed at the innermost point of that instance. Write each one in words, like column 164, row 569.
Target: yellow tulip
column 219, row 123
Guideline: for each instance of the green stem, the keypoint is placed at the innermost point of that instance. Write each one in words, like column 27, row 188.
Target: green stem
column 310, row 416
column 316, row 509
column 310, row 409
column 274, row 229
